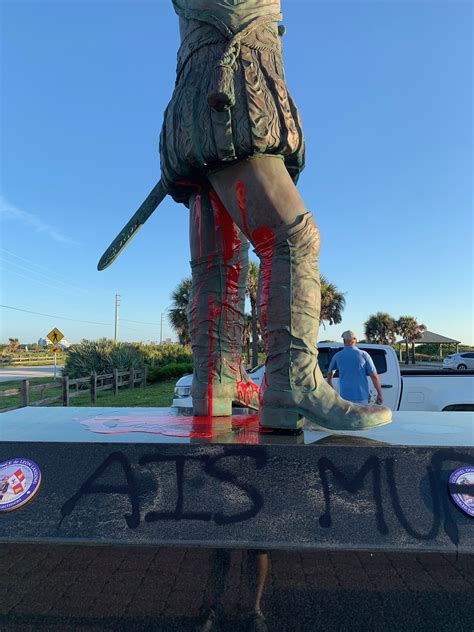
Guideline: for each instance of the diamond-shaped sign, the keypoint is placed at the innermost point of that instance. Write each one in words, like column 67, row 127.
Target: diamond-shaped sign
column 55, row 336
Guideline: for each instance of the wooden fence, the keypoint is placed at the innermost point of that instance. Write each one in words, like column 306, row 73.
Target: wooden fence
column 46, row 358
column 74, row 388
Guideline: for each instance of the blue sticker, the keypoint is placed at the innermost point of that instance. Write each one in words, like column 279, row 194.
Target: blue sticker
column 461, row 478
column 20, row 479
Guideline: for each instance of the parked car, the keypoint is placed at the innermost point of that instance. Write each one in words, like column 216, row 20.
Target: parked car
column 432, row 389
column 182, row 390
column 459, row 361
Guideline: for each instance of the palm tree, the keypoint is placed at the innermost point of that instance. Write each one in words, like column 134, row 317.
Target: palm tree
column 332, row 303
column 178, row 314
column 411, row 330
column 380, row 328
column 251, row 291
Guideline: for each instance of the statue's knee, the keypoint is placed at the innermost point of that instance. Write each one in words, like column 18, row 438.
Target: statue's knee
column 304, row 234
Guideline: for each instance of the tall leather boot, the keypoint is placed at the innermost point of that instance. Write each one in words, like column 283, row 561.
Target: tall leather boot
column 294, row 387
column 216, row 311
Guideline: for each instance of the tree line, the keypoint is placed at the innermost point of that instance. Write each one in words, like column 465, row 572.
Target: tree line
column 381, row 328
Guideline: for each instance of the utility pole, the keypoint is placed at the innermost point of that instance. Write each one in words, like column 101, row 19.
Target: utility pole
column 161, row 328
column 117, row 303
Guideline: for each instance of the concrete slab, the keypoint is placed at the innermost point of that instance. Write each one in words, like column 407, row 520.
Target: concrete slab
column 167, row 425
column 151, row 477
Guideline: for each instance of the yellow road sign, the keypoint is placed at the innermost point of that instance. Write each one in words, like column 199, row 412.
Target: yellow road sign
column 55, row 336
column 55, row 349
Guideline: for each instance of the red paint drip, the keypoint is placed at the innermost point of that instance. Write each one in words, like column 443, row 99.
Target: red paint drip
column 229, row 230
column 231, row 246
column 240, row 192
column 263, row 239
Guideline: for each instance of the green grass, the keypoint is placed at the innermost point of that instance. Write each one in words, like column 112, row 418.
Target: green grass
column 5, row 386
column 159, row 394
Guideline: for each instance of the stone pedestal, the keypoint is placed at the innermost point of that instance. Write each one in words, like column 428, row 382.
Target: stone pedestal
column 146, row 476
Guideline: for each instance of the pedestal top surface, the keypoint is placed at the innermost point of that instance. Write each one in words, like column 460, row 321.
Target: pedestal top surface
column 168, row 426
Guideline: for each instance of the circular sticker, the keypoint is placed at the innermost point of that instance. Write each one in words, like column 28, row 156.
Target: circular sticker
column 460, row 477
column 19, row 481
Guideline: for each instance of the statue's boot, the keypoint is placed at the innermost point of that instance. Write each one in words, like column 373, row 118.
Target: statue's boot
column 216, row 314
column 294, row 387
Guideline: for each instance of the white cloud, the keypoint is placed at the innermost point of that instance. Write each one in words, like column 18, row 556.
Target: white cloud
column 11, row 212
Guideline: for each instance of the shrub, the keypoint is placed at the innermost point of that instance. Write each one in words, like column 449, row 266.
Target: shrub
column 161, row 355
column 158, row 373
column 101, row 356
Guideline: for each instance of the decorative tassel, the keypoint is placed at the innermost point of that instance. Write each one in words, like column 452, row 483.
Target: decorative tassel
column 221, row 95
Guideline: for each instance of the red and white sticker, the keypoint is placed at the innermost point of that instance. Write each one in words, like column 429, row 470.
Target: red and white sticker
column 20, row 479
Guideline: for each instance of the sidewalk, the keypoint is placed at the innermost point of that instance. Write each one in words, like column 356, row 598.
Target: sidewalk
column 85, row 589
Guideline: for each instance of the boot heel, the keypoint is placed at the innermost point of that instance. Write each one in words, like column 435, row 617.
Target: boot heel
column 280, row 418
column 217, row 407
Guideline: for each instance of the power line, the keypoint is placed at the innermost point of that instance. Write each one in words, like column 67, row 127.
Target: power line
column 37, row 265
column 139, row 322
column 76, row 320
column 40, row 274
column 89, row 322
column 23, row 276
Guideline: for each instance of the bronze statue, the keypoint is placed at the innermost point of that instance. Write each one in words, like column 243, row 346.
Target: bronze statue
column 232, row 148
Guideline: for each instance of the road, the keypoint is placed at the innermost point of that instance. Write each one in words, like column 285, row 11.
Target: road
column 28, row 372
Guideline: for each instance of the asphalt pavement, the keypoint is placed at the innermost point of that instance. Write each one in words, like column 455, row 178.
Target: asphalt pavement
column 28, row 372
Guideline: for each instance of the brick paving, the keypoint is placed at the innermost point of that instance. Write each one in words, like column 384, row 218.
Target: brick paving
column 86, row 589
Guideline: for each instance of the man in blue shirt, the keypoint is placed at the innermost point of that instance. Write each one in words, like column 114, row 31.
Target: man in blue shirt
column 354, row 367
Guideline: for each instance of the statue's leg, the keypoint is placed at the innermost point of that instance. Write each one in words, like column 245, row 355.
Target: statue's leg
column 263, row 201
column 219, row 263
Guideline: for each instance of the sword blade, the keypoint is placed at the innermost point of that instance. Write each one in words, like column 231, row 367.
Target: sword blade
column 153, row 200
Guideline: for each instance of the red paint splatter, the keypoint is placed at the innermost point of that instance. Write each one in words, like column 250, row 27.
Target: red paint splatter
column 263, row 240
column 230, row 234
column 246, row 392
column 240, row 192
column 185, row 427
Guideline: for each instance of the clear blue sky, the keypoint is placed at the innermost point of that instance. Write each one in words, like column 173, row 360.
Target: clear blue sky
column 385, row 93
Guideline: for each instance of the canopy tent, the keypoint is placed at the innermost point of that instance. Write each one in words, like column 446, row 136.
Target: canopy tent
column 429, row 337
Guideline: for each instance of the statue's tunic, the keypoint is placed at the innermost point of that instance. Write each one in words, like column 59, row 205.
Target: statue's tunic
column 235, row 44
